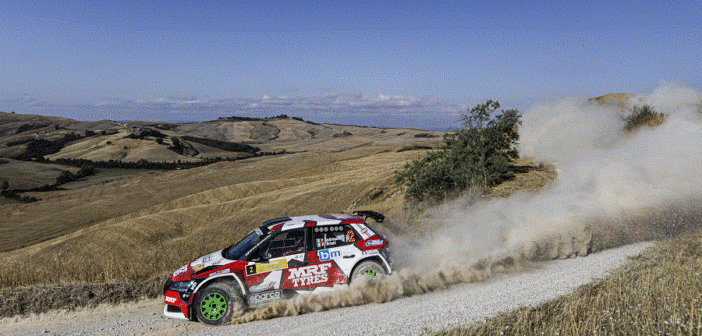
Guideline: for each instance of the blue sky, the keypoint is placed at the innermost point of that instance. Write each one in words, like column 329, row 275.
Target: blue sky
column 383, row 63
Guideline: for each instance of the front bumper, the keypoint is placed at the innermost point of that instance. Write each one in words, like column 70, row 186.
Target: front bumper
column 174, row 312
column 175, row 306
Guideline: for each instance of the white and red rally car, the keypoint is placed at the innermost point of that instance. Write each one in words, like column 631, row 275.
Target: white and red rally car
column 281, row 258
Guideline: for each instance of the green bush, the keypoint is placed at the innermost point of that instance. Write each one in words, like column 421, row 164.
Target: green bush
column 223, row 145
column 476, row 156
column 147, row 132
column 643, row 116
column 38, row 148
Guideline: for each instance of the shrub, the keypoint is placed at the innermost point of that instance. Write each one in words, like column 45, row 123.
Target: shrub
column 38, row 148
column 67, row 177
column 26, row 127
column 19, row 142
column 223, row 145
column 413, row 148
column 147, row 132
column 475, row 156
column 177, row 146
column 643, row 116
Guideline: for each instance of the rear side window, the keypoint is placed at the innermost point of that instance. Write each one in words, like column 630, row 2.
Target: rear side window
column 333, row 236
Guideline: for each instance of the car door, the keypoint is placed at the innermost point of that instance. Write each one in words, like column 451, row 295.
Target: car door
column 331, row 249
column 284, row 250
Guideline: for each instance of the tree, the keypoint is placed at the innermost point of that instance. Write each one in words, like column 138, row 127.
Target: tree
column 476, row 156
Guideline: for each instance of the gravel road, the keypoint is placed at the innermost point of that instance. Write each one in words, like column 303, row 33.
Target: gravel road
column 459, row 305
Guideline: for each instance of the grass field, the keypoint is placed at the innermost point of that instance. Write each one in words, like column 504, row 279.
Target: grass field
column 24, row 175
column 135, row 228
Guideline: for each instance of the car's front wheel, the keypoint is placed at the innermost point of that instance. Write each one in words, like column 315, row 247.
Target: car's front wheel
column 218, row 303
column 369, row 269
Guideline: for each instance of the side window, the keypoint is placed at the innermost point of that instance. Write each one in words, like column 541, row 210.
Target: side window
column 285, row 243
column 333, row 236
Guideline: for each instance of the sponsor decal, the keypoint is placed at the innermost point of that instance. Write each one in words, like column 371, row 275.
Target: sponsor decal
column 198, row 267
column 328, row 254
column 370, row 252
column 352, row 238
column 362, row 230
column 266, row 267
column 309, row 275
column 208, row 258
column 322, row 242
column 180, row 271
column 170, row 299
column 374, row 242
column 264, row 297
column 271, row 281
column 224, row 271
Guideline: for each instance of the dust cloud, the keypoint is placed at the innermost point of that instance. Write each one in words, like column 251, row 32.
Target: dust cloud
column 613, row 188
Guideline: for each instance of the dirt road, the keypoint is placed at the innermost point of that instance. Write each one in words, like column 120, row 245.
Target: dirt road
column 459, row 305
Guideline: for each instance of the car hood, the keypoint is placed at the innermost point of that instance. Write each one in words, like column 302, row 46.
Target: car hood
column 212, row 259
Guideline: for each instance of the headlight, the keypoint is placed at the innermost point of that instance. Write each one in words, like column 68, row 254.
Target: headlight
column 183, row 286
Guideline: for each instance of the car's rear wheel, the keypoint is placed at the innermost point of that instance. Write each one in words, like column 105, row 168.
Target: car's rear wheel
column 218, row 303
column 369, row 269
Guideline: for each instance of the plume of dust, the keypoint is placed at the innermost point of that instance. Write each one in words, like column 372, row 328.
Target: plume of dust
column 613, row 188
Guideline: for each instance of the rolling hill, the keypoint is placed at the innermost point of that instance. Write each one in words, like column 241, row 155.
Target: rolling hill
column 146, row 222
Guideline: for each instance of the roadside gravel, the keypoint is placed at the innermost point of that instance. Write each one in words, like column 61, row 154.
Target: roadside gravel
column 459, row 305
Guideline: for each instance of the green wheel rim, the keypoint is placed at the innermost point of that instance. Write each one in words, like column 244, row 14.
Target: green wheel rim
column 371, row 273
column 213, row 306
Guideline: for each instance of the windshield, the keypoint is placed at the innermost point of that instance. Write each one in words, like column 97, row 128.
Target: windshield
column 236, row 251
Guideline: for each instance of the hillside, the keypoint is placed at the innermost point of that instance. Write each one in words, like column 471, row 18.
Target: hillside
column 225, row 138
column 122, row 218
column 149, row 223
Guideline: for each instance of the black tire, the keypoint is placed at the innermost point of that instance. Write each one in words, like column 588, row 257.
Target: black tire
column 217, row 303
column 370, row 269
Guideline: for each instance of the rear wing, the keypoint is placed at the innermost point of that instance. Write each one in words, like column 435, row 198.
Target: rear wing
column 378, row 217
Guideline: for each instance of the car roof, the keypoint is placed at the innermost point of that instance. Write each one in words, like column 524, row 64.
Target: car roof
column 290, row 223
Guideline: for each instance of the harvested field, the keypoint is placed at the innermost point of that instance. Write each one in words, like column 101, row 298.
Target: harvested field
column 158, row 221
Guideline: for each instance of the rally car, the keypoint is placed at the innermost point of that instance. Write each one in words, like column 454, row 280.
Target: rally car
column 281, row 258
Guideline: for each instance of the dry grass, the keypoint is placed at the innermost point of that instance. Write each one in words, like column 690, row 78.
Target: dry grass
column 657, row 293
column 619, row 100
column 27, row 175
column 530, row 176
column 126, row 251
column 43, row 298
column 134, row 229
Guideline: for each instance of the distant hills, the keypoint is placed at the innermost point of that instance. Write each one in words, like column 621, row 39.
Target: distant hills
column 29, row 142
column 25, row 137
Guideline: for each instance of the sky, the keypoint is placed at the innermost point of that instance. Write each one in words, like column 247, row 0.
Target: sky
column 375, row 63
